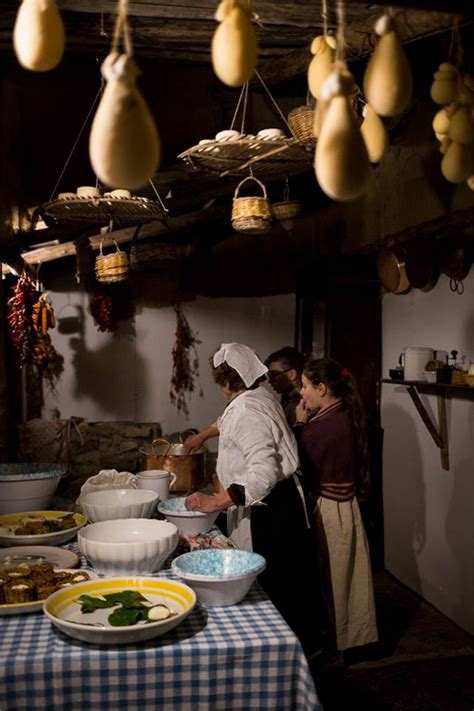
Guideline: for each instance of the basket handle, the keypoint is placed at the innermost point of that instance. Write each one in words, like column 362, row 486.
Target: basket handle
column 102, row 243
column 256, row 180
column 160, row 439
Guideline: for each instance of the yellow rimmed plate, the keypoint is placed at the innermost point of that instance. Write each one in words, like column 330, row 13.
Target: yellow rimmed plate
column 21, row 608
column 42, row 539
column 64, row 610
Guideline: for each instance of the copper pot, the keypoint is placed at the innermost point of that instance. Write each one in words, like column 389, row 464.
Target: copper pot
column 455, row 258
column 421, row 269
column 391, row 268
column 190, row 469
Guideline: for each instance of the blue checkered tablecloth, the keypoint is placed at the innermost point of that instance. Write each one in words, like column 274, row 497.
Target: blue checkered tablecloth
column 238, row 657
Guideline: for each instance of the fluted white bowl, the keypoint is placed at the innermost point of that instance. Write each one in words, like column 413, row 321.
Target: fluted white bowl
column 118, row 503
column 136, row 546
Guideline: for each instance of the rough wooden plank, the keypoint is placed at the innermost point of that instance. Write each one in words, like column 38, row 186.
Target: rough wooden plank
column 443, row 431
column 425, row 417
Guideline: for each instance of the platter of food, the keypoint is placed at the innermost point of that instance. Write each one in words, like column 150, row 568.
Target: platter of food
column 120, row 610
column 58, row 557
column 25, row 584
column 39, row 527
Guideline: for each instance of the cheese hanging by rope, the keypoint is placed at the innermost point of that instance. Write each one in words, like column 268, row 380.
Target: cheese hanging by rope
column 374, row 133
column 38, row 35
column 388, row 81
column 445, row 85
column 234, row 44
column 341, row 161
column 324, row 50
column 457, row 164
column 124, row 145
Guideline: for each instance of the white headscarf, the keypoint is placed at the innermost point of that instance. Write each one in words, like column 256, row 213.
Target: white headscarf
column 242, row 359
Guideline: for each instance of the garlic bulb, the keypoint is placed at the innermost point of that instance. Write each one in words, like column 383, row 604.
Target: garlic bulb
column 341, row 160
column 444, row 88
column 124, row 146
column 321, row 65
column 388, row 82
column 234, row 44
column 457, row 163
column 374, row 134
column 38, row 35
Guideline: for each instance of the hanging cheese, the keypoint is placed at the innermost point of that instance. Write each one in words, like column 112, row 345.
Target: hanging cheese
column 234, row 44
column 444, row 88
column 470, row 182
column 374, row 134
column 341, row 161
column 441, row 122
column 38, row 35
column 388, row 82
column 457, row 163
column 124, row 146
column 324, row 50
column 461, row 125
column 445, row 143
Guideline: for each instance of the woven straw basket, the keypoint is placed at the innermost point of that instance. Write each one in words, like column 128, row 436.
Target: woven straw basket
column 110, row 268
column 286, row 212
column 301, row 123
column 144, row 256
column 251, row 215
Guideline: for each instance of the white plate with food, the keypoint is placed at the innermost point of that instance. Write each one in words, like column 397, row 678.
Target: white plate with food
column 40, row 527
column 59, row 557
column 120, row 610
column 24, row 586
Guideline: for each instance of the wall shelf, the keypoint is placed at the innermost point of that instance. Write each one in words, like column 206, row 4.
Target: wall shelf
column 439, row 430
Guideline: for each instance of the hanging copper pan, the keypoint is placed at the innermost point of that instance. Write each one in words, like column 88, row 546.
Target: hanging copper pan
column 391, row 268
column 421, row 268
column 454, row 257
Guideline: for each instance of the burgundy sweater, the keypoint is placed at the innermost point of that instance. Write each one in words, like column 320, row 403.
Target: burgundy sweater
column 328, row 453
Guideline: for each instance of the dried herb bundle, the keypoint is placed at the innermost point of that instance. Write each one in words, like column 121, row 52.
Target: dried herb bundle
column 185, row 362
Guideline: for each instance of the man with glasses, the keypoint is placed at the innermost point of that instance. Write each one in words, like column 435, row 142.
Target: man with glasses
column 284, row 375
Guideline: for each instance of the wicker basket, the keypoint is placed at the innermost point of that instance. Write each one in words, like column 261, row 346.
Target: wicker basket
column 285, row 212
column 301, row 123
column 110, row 268
column 251, row 215
column 157, row 255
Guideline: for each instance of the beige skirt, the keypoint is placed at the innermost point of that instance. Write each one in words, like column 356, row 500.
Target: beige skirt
column 346, row 572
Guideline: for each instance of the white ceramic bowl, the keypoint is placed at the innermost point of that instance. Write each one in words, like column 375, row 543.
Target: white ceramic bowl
column 55, row 538
column 118, row 503
column 430, row 376
column 190, row 523
column 128, row 546
column 62, row 609
column 220, row 577
column 28, row 486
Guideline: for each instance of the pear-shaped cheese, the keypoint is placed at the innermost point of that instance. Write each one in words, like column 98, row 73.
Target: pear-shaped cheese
column 124, row 147
column 374, row 134
column 321, row 64
column 461, row 125
column 444, row 88
column 457, row 164
column 38, row 35
column 388, row 82
column 470, row 182
column 341, row 161
column 445, row 143
column 441, row 122
column 234, row 47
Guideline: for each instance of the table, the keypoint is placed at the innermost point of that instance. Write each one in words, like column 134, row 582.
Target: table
column 229, row 658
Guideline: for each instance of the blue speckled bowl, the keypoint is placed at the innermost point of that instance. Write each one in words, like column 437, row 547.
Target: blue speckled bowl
column 28, row 486
column 219, row 577
column 190, row 523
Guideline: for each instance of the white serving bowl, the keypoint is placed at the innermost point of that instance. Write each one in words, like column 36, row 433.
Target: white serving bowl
column 63, row 611
column 118, row 503
column 190, row 523
column 128, row 546
column 28, row 486
column 220, row 577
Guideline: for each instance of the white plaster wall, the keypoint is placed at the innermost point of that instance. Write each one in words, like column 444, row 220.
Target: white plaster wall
column 429, row 515
column 126, row 376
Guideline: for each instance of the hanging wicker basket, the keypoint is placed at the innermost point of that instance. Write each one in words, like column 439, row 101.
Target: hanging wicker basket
column 110, row 268
column 150, row 256
column 301, row 122
column 251, row 215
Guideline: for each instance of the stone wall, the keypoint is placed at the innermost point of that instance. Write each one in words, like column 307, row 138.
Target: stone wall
column 85, row 447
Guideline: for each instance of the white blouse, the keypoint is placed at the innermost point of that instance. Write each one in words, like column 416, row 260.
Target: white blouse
column 256, row 445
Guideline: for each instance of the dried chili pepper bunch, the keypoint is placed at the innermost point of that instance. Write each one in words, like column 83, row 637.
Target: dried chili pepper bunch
column 185, row 362
column 20, row 317
column 101, row 308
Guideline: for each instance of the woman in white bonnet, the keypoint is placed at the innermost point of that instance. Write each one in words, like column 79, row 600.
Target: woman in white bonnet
column 259, row 488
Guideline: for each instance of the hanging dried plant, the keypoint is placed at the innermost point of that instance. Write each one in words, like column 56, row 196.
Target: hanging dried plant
column 185, row 362
column 49, row 362
column 101, row 308
column 20, row 318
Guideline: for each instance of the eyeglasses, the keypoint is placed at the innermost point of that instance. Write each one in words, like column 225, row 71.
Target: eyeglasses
column 271, row 374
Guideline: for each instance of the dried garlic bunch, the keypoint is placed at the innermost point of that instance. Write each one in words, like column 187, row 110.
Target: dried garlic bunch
column 388, row 81
column 234, row 44
column 38, row 35
column 341, row 161
column 124, row 145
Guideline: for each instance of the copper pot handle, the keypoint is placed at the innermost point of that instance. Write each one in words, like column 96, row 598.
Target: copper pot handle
column 162, row 440
column 190, row 431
